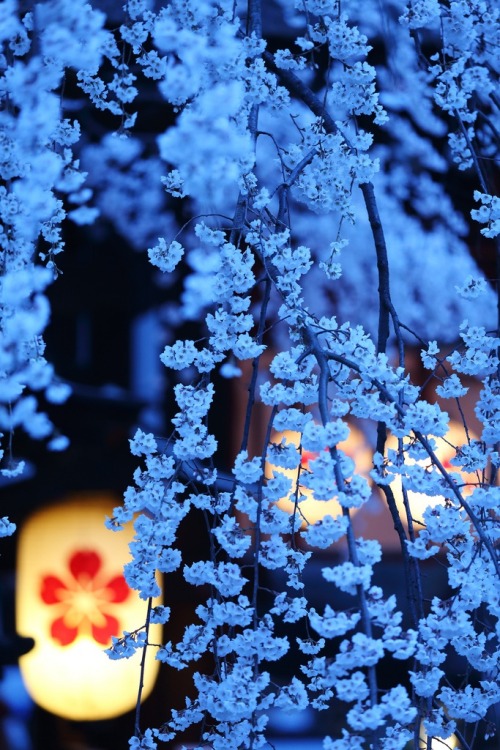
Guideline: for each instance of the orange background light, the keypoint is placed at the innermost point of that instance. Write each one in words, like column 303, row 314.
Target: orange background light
column 445, row 451
column 312, row 510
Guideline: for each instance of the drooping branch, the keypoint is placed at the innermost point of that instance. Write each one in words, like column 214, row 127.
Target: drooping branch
column 317, row 106
column 432, row 455
column 322, row 361
column 137, row 720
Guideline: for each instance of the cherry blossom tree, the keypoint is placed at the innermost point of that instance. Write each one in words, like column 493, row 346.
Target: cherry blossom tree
column 321, row 241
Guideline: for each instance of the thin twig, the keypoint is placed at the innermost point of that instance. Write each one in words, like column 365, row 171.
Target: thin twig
column 137, row 723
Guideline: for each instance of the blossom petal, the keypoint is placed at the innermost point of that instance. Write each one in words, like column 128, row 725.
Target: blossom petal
column 117, row 589
column 62, row 633
column 86, row 563
column 51, row 586
column 103, row 634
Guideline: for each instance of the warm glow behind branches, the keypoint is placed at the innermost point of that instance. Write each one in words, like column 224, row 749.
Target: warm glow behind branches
column 445, row 451
column 310, row 509
column 437, row 743
column 357, row 448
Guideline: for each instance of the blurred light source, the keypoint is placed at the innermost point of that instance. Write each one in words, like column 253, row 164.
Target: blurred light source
column 437, row 743
column 446, row 450
column 312, row 510
column 71, row 598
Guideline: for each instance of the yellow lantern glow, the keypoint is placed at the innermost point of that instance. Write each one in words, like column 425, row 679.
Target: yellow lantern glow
column 445, row 451
column 437, row 743
column 71, row 598
column 312, row 510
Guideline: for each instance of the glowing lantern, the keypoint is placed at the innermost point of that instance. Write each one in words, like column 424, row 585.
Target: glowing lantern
column 445, row 451
column 313, row 510
column 437, row 743
column 72, row 598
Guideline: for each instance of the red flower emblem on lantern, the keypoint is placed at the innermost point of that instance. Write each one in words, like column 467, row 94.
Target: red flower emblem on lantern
column 307, row 456
column 83, row 599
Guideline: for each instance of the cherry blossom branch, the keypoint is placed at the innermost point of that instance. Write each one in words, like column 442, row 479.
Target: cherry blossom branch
column 479, row 172
column 142, row 669
column 465, row 505
column 432, row 455
column 284, row 189
column 317, row 107
column 256, row 365
column 411, row 568
column 254, row 18
column 386, row 308
column 322, row 360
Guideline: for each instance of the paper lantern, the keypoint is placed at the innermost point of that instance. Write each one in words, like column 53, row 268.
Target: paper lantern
column 312, row 510
column 437, row 743
column 445, row 451
column 72, row 598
